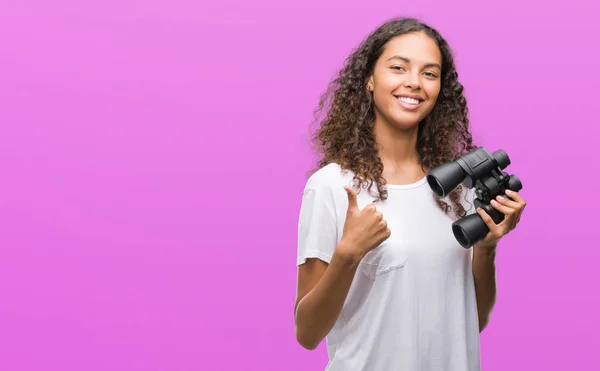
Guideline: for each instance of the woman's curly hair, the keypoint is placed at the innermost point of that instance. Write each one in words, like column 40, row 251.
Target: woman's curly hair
column 345, row 135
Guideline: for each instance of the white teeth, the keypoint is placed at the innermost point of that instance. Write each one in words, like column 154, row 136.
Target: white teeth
column 408, row 100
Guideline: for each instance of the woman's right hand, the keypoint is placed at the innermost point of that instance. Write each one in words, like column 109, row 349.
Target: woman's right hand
column 364, row 229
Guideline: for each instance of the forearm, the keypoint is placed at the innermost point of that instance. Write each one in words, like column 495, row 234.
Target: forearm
column 318, row 310
column 484, row 274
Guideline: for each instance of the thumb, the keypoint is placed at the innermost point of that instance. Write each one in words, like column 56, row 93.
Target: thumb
column 352, row 201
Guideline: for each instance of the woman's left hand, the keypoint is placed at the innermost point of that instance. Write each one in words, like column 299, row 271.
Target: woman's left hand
column 512, row 211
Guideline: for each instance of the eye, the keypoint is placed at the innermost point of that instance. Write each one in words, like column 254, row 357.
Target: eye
column 431, row 74
column 397, row 68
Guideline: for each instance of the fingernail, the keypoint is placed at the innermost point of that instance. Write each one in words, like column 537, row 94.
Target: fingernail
column 508, row 191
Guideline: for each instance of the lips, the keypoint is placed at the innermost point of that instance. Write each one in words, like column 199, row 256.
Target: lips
column 409, row 102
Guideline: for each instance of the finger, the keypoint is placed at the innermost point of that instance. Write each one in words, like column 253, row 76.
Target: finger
column 516, row 196
column 508, row 202
column 370, row 207
column 352, row 199
column 487, row 219
column 386, row 234
column 508, row 211
column 517, row 218
column 520, row 202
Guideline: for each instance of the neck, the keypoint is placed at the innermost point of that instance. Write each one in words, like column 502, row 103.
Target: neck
column 397, row 148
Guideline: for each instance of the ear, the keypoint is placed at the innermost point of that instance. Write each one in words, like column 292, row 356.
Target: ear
column 370, row 84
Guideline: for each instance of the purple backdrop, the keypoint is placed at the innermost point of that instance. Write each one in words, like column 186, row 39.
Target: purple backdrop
column 153, row 153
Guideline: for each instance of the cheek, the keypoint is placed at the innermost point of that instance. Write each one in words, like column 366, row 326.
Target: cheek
column 433, row 92
column 382, row 96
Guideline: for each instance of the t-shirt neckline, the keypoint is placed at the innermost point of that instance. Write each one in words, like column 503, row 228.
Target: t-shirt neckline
column 407, row 186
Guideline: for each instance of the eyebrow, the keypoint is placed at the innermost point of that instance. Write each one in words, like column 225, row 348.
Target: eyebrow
column 408, row 61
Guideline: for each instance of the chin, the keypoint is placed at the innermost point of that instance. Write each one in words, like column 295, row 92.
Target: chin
column 405, row 122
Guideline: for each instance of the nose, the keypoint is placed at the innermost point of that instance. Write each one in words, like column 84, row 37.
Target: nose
column 412, row 81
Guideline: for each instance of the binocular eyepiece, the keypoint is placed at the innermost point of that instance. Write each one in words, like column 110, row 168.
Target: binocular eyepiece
column 481, row 170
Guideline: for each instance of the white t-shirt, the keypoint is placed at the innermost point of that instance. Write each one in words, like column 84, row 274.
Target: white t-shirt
column 411, row 306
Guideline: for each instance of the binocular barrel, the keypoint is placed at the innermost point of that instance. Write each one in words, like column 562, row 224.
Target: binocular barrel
column 480, row 169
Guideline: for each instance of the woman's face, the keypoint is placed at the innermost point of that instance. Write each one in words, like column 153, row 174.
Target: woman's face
column 406, row 80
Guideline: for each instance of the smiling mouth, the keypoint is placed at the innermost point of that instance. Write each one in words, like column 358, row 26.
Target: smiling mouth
column 409, row 101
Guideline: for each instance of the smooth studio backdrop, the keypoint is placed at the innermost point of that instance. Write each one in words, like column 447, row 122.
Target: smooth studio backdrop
column 153, row 156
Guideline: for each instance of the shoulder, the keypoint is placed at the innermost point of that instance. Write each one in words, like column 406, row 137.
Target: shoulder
column 330, row 176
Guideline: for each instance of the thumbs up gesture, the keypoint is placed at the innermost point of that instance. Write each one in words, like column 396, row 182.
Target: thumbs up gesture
column 364, row 229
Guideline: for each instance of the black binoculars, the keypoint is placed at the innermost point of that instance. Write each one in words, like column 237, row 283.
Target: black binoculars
column 481, row 170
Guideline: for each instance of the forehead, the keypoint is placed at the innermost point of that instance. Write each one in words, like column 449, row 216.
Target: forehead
column 416, row 46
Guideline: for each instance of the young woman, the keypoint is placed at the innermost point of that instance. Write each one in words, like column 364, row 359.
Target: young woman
column 380, row 274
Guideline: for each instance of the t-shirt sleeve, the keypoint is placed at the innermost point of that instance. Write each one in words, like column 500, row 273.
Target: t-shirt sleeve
column 317, row 226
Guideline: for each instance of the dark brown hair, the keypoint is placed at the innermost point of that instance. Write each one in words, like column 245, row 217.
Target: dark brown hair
column 345, row 134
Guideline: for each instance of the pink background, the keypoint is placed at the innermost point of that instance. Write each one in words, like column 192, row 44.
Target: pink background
column 152, row 156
